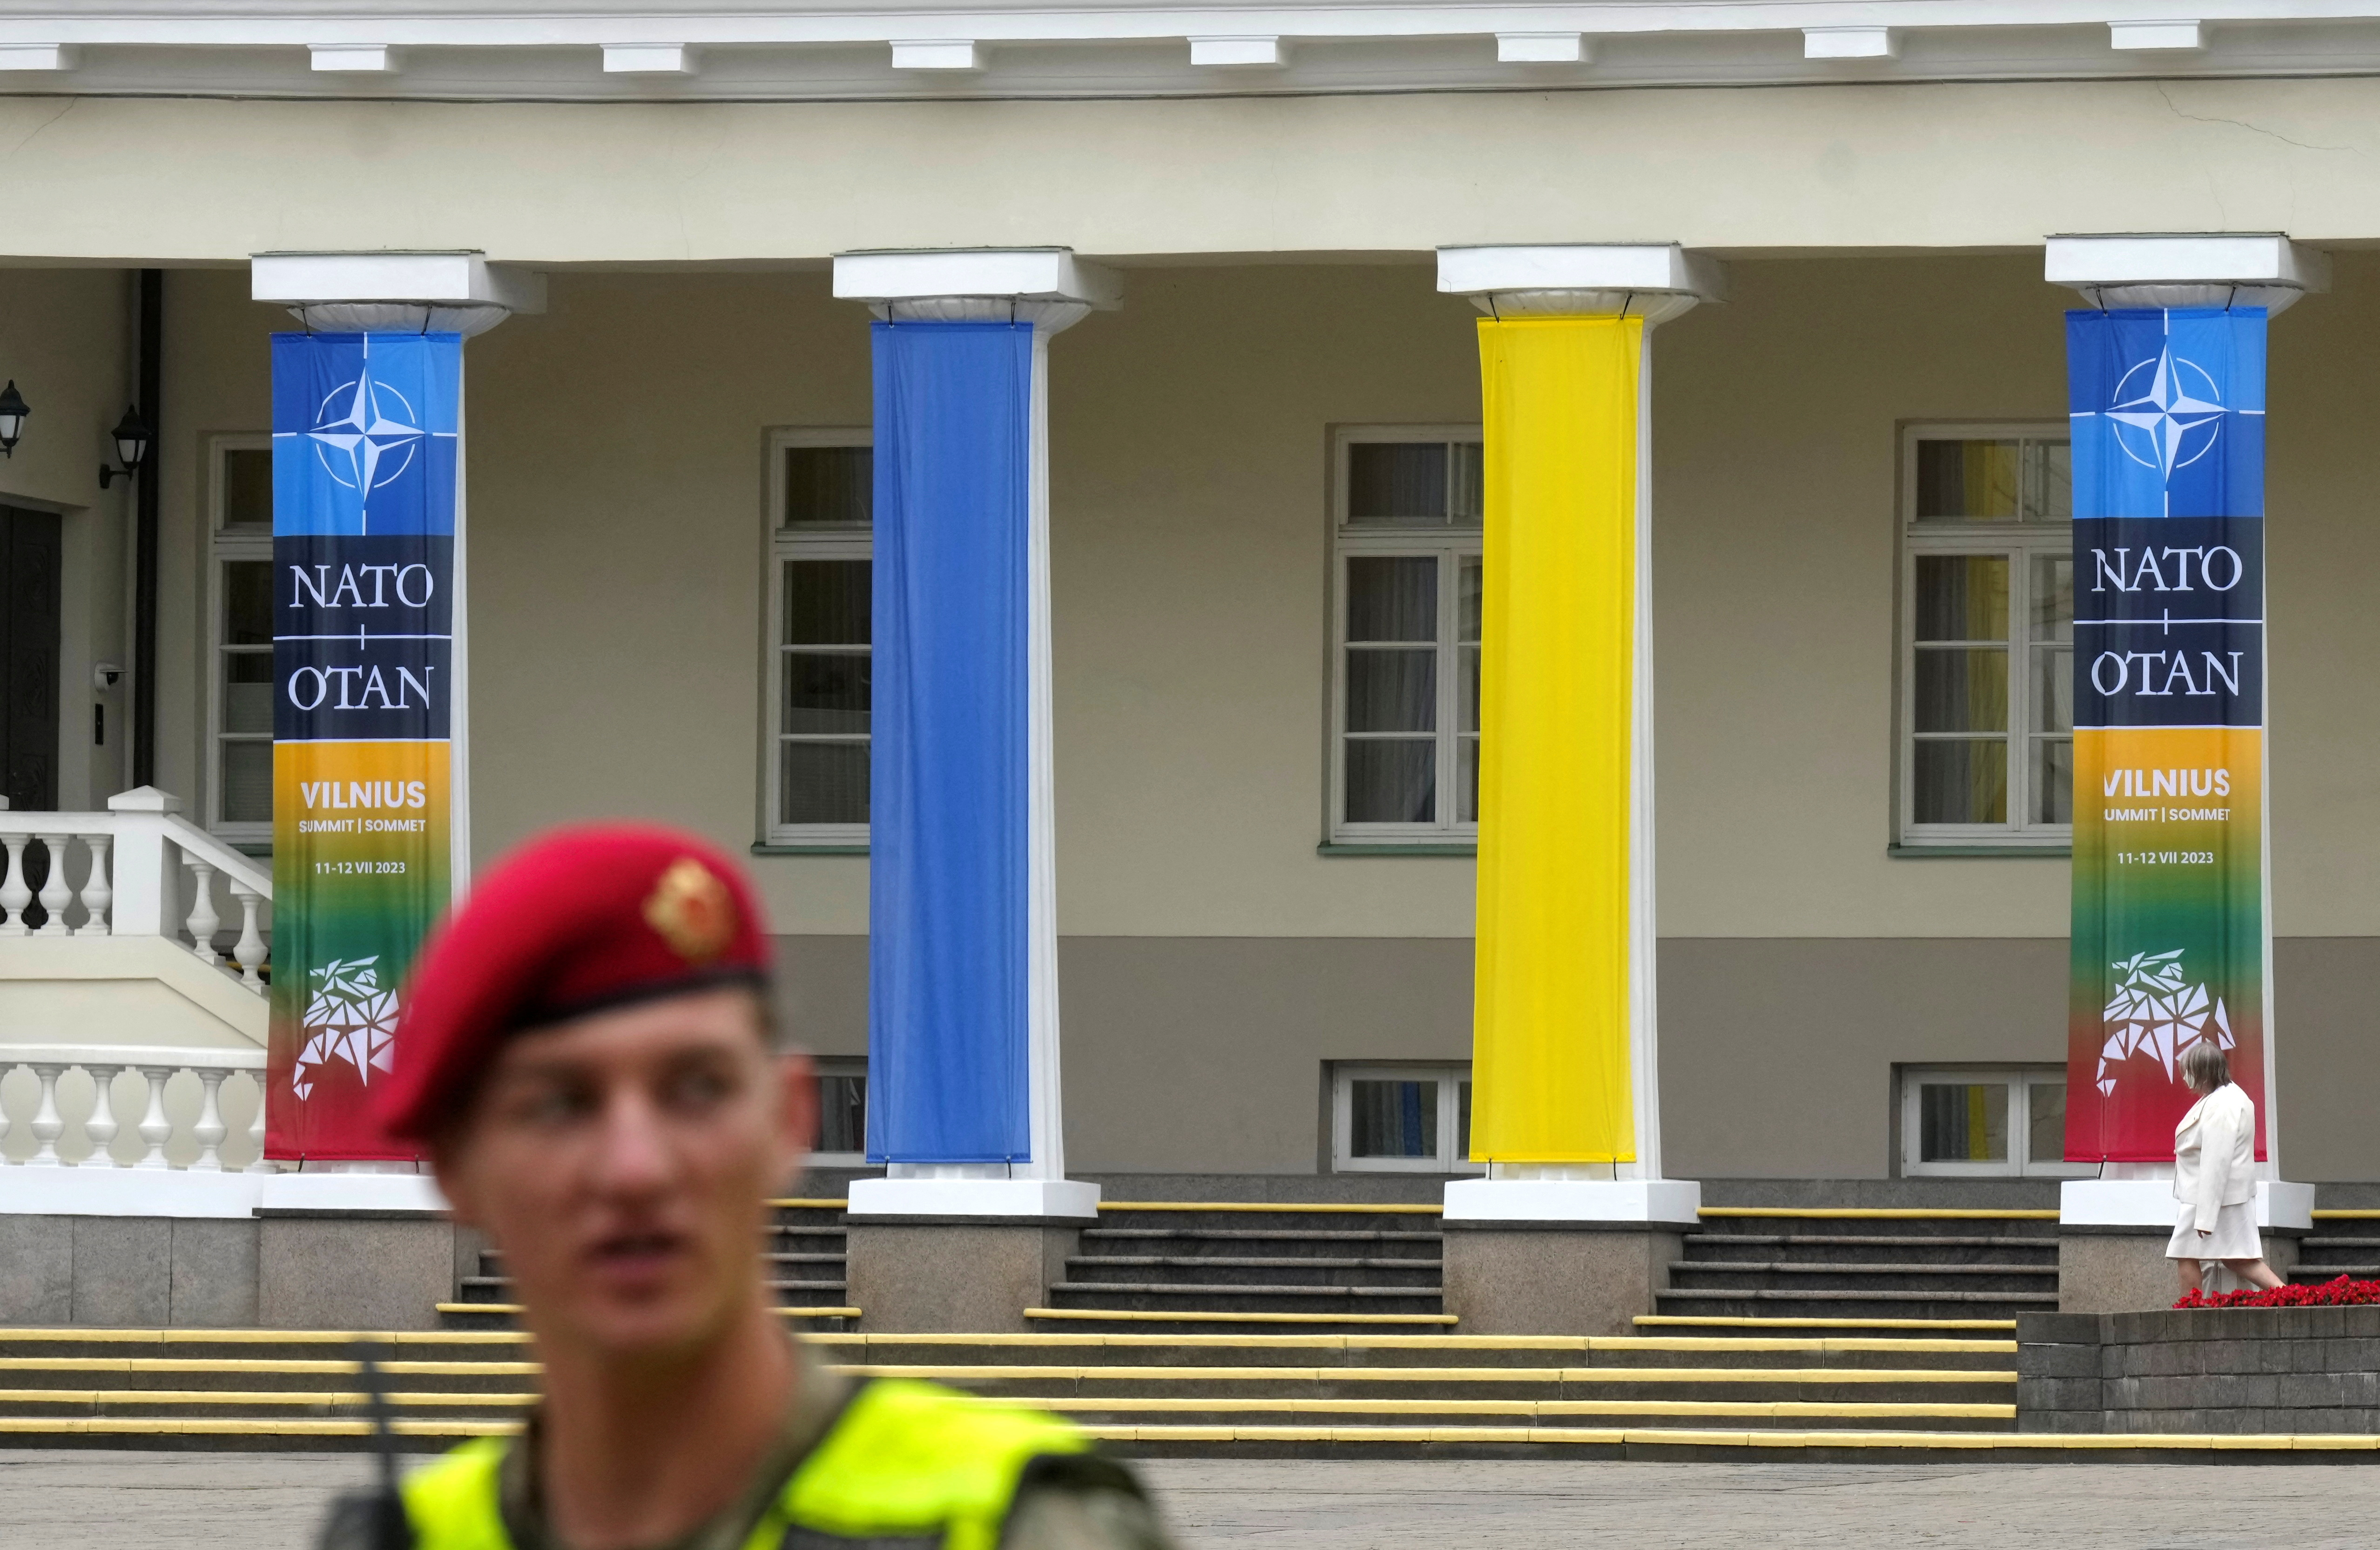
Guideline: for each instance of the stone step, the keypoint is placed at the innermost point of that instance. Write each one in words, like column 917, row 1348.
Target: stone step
column 2036, row 1225
column 1845, row 1249
column 1277, row 1216
column 473, row 1316
column 1798, row 1277
column 1220, row 1270
column 497, row 1289
column 1384, row 1348
column 1760, row 1302
column 1270, row 1241
column 1116, row 1319
column 1256, row 1297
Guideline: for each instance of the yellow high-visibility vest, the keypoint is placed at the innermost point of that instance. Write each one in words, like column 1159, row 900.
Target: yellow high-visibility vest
column 904, row 1460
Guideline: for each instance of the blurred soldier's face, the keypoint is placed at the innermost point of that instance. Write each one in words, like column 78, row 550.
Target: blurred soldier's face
column 623, row 1163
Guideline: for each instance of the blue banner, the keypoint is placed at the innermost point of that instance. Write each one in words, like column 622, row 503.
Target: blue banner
column 2169, row 915
column 365, row 436
column 949, row 824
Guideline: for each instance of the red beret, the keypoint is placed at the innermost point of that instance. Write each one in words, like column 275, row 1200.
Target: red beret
column 576, row 920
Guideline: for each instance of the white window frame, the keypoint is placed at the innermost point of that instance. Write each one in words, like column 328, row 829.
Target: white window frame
column 2020, row 1080
column 842, row 1065
column 1450, row 1077
column 222, row 548
column 1450, row 546
column 853, row 540
column 2020, row 542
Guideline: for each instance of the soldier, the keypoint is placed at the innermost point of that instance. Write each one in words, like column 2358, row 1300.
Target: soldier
column 584, row 1052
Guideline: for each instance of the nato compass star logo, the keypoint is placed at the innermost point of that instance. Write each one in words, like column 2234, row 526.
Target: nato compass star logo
column 2168, row 412
column 365, row 434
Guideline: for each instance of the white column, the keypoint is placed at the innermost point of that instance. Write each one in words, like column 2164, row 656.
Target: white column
column 1053, row 290
column 2182, row 270
column 458, row 292
column 1655, row 282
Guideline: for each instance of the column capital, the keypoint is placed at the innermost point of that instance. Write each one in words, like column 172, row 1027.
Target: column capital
column 1046, row 287
column 1652, row 280
column 2185, row 269
column 456, row 291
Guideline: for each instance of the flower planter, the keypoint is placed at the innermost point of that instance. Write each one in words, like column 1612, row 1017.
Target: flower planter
column 2227, row 1370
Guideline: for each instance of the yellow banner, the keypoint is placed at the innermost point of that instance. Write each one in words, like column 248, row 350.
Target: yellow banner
column 1551, row 1033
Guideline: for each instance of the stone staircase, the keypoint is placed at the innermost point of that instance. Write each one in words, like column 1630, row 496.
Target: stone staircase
column 1676, row 1385
column 804, row 1250
column 1234, row 1267
column 2342, row 1243
column 1867, row 1263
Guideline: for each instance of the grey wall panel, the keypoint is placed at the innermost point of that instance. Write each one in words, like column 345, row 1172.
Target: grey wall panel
column 1205, row 1055
column 1777, row 1053
column 2328, row 1035
column 821, row 992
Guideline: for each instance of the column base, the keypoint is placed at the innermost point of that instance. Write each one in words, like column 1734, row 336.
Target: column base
column 2112, row 1233
column 953, row 1276
column 1676, row 1202
column 1558, row 1256
column 1038, row 1199
column 366, row 1270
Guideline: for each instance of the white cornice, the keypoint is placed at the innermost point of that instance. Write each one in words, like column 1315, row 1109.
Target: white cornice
column 599, row 50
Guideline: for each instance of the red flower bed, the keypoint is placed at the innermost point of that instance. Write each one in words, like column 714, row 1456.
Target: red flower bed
column 2341, row 1293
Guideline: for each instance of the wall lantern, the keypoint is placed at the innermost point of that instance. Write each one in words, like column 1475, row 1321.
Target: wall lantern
column 13, row 410
column 131, row 434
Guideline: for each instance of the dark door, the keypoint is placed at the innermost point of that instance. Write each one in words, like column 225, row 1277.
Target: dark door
column 28, row 674
column 29, row 658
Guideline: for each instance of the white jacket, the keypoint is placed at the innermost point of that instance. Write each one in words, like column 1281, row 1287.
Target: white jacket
column 2214, row 1155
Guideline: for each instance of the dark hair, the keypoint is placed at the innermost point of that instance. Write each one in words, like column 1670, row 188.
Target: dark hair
column 2204, row 1065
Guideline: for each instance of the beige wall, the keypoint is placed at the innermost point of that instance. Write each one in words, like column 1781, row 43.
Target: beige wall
column 617, row 473
column 66, row 341
column 1841, row 168
column 616, row 485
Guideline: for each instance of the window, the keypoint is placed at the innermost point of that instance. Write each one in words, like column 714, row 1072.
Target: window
column 240, row 639
column 1986, row 637
column 1402, row 1118
column 1994, row 1122
column 843, row 1113
column 821, row 499
column 1405, row 657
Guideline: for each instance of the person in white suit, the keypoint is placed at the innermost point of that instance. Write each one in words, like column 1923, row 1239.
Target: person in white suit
column 2215, row 1175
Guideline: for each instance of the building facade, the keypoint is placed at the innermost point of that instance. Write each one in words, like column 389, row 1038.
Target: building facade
column 1265, row 509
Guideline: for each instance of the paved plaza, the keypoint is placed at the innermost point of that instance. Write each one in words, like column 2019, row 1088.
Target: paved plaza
column 197, row 1501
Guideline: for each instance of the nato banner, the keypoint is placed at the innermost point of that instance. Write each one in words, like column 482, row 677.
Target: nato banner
column 364, row 468
column 2170, row 932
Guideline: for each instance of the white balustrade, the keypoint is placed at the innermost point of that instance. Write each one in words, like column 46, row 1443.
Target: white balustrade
column 95, row 891
column 203, row 919
column 48, row 1124
column 250, row 951
column 14, row 893
column 203, row 1134
column 132, row 860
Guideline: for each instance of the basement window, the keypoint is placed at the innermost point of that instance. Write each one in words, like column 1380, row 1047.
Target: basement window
column 1405, row 1119
column 2003, row 1122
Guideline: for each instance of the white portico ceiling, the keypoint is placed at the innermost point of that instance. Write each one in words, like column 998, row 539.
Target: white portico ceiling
column 760, row 50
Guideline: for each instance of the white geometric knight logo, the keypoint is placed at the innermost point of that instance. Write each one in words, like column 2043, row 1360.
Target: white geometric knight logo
column 2167, row 419
column 2158, row 1012
column 365, row 433
column 348, row 1018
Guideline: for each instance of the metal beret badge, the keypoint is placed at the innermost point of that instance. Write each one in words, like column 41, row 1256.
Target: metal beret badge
column 691, row 910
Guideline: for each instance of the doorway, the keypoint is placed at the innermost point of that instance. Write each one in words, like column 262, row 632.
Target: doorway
column 30, row 572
